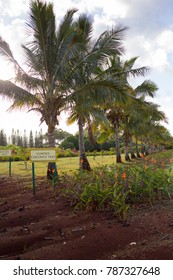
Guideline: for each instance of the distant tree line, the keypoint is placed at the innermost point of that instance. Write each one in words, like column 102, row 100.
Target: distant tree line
column 63, row 139
column 32, row 141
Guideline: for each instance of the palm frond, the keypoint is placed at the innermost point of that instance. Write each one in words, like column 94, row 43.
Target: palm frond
column 41, row 27
column 128, row 64
column 101, row 91
column 137, row 72
column 6, row 52
column 84, row 28
column 147, row 88
column 111, row 41
column 108, row 44
column 17, row 94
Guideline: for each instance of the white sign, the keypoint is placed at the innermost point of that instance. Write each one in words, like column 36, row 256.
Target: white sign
column 43, row 155
column 5, row 153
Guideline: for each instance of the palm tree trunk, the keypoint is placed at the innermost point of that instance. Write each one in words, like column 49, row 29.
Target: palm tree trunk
column 51, row 138
column 146, row 149
column 131, row 148
column 127, row 158
column 126, row 142
column 51, row 168
column 83, row 161
column 117, row 144
column 142, row 148
column 137, row 149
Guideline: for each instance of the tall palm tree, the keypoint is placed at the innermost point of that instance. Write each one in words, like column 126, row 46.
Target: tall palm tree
column 89, row 84
column 47, row 52
column 42, row 87
column 60, row 65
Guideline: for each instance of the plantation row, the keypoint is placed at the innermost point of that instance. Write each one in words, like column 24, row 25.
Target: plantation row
column 23, row 154
column 108, row 186
column 119, row 187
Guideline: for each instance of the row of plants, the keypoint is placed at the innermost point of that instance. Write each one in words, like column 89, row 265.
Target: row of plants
column 117, row 187
column 23, row 154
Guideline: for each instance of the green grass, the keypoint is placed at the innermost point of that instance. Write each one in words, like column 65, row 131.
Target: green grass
column 72, row 164
column 63, row 165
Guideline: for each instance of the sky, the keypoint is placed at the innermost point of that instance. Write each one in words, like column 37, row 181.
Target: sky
column 150, row 38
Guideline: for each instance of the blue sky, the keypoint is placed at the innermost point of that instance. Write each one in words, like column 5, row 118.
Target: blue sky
column 150, row 37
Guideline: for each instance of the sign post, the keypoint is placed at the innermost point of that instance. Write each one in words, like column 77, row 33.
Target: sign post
column 10, row 166
column 33, row 178
column 40, row 155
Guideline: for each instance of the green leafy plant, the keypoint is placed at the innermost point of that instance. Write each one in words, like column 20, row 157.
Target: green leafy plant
column 115, row 187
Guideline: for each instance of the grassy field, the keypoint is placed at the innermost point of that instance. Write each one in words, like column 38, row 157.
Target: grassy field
column 71, row 164
column 63, row 165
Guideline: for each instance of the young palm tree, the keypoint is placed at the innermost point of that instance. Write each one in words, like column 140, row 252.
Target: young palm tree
column 146, row 121
column 115, row 115
column 89, row 85
column 119, row 114
column 133, row 111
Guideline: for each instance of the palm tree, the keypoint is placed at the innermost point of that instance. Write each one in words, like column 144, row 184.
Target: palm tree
column 148, row 125
column 119, row 113
column 133, row 112
column 60, row 66
column 114, row 115
column 89, row 84
column 41, row 86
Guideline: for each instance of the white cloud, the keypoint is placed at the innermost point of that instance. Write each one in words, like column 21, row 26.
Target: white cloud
column 13, row 8
column 165, row 40
column 159, row 59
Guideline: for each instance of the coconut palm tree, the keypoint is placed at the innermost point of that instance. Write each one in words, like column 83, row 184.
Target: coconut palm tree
column 146, row 124
column 119, row 114
column 133, row 112
column 90, row 86
column 59, row 66
column 41, row 86
column 115, row 115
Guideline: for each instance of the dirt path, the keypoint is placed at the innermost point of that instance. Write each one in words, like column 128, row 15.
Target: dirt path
column 44, row 226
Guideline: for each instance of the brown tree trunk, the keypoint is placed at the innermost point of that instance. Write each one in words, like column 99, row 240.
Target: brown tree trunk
column 126, row 143
column 137, row 150
column 52, row 172
column 131, row 149
column 83, row 161
column 117, row 144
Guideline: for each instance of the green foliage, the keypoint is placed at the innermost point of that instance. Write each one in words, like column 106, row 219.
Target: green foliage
column 18, row 153
column 71, row 142
column 67, row 153
column 116, row 187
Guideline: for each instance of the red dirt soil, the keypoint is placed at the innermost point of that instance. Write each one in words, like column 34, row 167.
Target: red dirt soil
column 44, row 226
